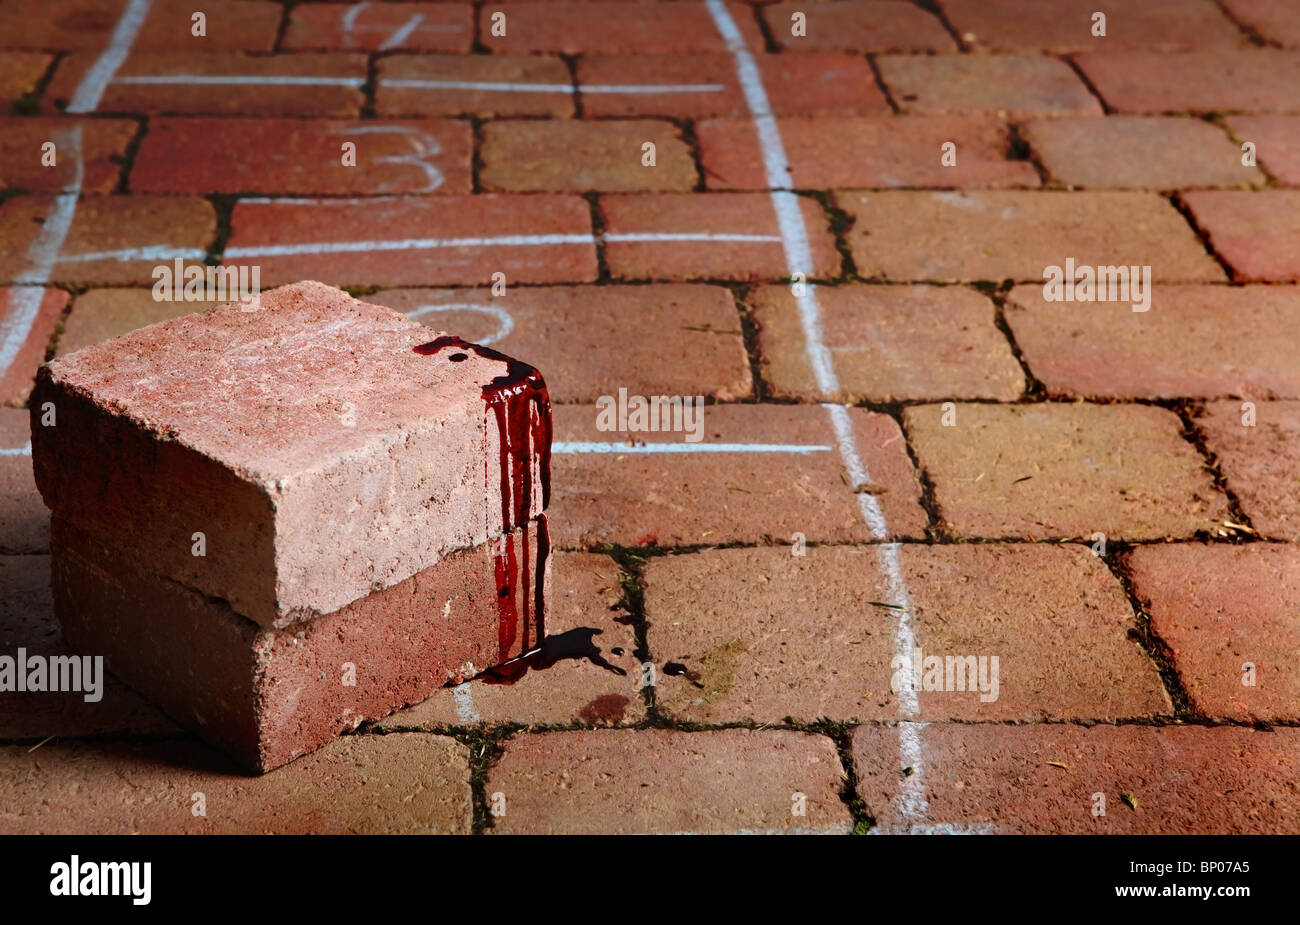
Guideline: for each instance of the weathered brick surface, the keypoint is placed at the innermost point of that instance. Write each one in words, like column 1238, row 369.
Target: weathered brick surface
column 1255, row 233
column 888, row 343
column 1138, row 152
column 102, row 314
column 859, row 26
column 305, row 157
column 996, row 778
column 74, row 25
column 1277, row 143
column 846, row 152
column 24, row 522
column 568, row 156
column 453, row 85
column 1064, row 470
column 625, row 27
column 685, row 498
column 395, row 784
column 43, row 307
column 636, row 226
column 1251, row 80
column 590, row 672
column 1273, row 20
column 20, row 71
column 954, row 237
column 819, row 637
column 438, row 240
column 659, row 781
column 1194, row 341
column 380, row 27
column 102, row 146
column 1220, row 610
column 1261, row 462
column 658, row 339
column 1007, row 85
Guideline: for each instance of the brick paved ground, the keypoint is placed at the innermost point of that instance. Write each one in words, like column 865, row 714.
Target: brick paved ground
column 1102, row 498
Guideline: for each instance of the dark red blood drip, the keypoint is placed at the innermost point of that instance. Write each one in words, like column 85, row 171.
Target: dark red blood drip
column 507, row 575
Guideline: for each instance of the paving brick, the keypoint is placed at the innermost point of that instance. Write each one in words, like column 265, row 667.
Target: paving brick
column 305, row 157
column 1195, row 341
column 1254, row 232
column 1008, row 779
column 76, row 25
column 795, row 84
column 639, row 498
column 595, row 677
column 892, row 151
column 1064, row 470
column 20, row 72
column 1223, row 608
column 566, row 156
column 1008, row 85
column 812, row 645
column 857, row 25
column 24, row 522
column 100, row 150
column 44, row 308
column 380, row 27
column 27, row 622
column 635, row 249
column 102, row 314
column 1066, row 25
column 1252, row 80
column 611, row 28
column 454, row 85
column 314, row 409
column 532, row 239
column 1277, row 143
column 112, row 239
column 888, row 343
column 405, row 783
column 1138, row 152
column 673, row 339
column 1261, row 462
column 1273, row 20
column 956, row 237
column 658, row 781
column 277, row 85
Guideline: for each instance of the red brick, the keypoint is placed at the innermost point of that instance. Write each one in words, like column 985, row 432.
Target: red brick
column 1260, row 462
column 1277, row 143
column 1009, row 779
column 1138, row 152
column 482, row 224
column 1252, row 80
column 566, row 156
column 341, row 97
column 674, row 339
column 87, row 25
column 858, row 25
column 795, row 84
column 102, row 314
column 393, row 784
column 380, row 27
column 1007, row 85
column 888, row 343
column 1066, row 25
column 812, row 646
column 611, row 28
column 1219, row 608
column 956, row 237
column 893, row 151
column 34, row 313
column 101, row 151
column 27, row 622
column 1255, row 233
column 716, row 214
column 267, row 696
column 1194, row 341
column 684, row 498
column 307, row 504
column 595, row 679
column 1274, row 20
column 394, row 99
column 24, row 522
column 20, row 72
column 123, row 229
column 304, row 157
column 1064, row 471
column 661, row 781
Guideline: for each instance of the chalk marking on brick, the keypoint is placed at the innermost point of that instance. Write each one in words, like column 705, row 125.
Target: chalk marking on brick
column 505, row 323
column 464, row 699
column 938, row 828
column 670, row 236
column 620, row 448
column 402, row 33
column 910, row 801
column 507, row 86
column 239, row 80
column 93, row 83
column 25, row 450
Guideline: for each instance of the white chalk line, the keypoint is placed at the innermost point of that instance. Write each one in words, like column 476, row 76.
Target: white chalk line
column 401, row 83
column 910, row 801
column 17, row 450
column 645, row 448
column 237, row 80
column 93, row 83
column 463, row 696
